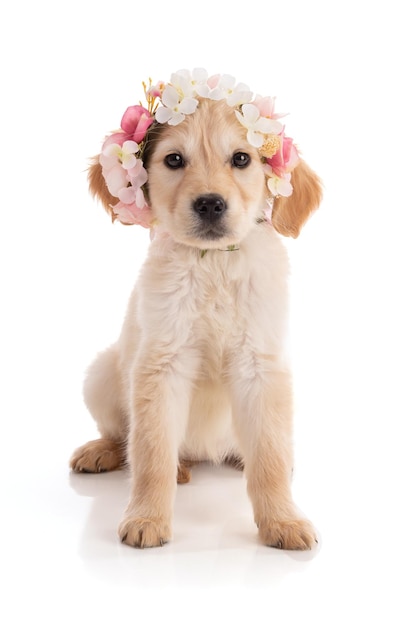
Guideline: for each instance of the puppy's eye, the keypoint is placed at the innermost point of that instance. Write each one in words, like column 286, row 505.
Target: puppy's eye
column 240, row 159
column 174, row 161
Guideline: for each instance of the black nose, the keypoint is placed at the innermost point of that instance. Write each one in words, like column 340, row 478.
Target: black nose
column 210, row 206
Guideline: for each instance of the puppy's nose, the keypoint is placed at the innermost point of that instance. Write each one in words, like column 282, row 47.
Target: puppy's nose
column 210, row 206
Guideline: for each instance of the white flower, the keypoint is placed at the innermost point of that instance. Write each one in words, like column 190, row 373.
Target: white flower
column 191, row 84
column 226, row 89
column 116, row 160
column 257, row 126
column 182, row 82
column 278, row 186
column 176, row 106
column 113, row 154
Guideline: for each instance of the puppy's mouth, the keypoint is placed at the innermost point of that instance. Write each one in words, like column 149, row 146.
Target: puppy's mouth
column 210, row 233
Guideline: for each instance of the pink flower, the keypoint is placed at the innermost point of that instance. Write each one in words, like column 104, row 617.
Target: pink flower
column 132, row 214
column 137, row 177
column 286, row 159
column 135, row 122
column 118, row 137
column 266, row 107
column 155, row 91
column 213, row 81
column 115, row 179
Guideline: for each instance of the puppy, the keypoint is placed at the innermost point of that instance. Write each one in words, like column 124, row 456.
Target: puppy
column 200, row 369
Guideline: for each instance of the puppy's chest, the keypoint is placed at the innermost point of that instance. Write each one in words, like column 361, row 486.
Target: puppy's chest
column 219, row 317
column 217, row 308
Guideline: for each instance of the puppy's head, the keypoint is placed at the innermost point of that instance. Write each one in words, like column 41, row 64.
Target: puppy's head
column 206, row 185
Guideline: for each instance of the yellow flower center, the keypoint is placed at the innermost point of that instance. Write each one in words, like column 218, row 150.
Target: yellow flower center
column 270, row 147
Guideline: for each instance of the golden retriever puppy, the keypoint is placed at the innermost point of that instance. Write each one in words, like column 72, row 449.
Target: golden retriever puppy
column 200, row 369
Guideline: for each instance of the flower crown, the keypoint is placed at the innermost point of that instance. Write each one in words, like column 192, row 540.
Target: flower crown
column 169, row 103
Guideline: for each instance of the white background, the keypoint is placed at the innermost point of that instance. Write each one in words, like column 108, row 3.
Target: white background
column 68, row 71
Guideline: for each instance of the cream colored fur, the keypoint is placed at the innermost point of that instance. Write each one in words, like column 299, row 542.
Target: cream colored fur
column 200, row 370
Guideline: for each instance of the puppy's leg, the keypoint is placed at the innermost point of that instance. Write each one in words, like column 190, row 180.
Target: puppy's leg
column 161, row 405
column 103, row 397
column 263, row 415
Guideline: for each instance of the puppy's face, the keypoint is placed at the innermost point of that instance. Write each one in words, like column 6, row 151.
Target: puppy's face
column 206, row 183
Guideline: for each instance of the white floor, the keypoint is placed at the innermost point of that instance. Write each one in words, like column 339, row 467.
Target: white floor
column 66, row 274
column 62, row 562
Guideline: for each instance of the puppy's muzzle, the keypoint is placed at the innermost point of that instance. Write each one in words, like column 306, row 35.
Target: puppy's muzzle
column 210, row 207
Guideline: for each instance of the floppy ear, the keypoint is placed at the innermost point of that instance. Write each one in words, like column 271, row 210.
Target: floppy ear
column 289, row 214
column 98, row 187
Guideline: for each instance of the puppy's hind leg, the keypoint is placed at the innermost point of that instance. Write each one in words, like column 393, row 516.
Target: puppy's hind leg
column 184, row 471
column 99, row 455
column 103, row 397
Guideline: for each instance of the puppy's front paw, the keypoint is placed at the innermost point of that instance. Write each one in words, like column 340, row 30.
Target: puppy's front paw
column 140, row 532
column 288, row 535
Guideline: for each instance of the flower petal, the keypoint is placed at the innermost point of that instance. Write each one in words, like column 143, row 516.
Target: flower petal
column 128, row 161
column 268, row 127
column 163, row 114
column 130, row 146
column 239, row 97
column 112, row 150
column 118, row 138
column 203, row 91
column 280, row 186
column 241, row 119
column 266, row 105
column 272, row 186
column 139, row 199
column 200, row 75
column 108, row 162
column 170, row 97
column 133, row 214
column 130, row 118
column 285, row 187
column 251, row 113
column 115, row 180
column 188, row 105
column 217, row 94
column 226, row 81
column 176, row 118
column 138, row 175
column 255, row 139
column 127, row 195
column 213, row 81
